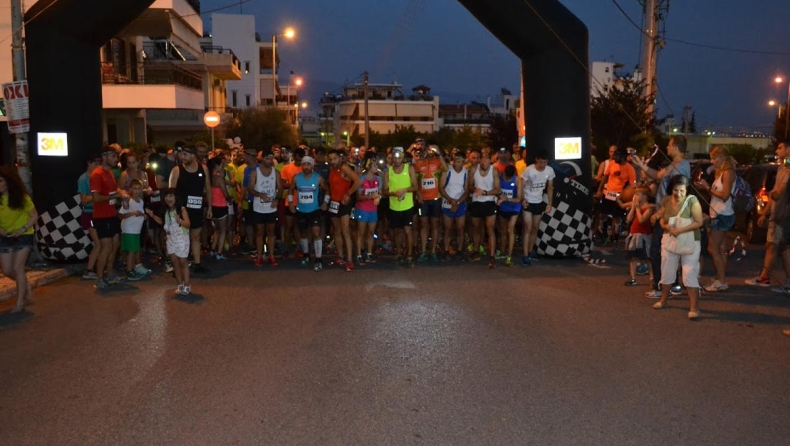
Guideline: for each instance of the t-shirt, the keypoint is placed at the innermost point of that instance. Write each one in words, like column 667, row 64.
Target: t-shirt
column 521, row 166
column 287, row 175
column 676, row 168
column 779, row 208
column 103, row 182
column 535, row 182
column 429, row 172
column 84, row 187
column 12, row 220
column 369, row 186
column 619, row 176
column 133, row 225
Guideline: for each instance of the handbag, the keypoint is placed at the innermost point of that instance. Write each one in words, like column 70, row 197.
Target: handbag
column 684, row 243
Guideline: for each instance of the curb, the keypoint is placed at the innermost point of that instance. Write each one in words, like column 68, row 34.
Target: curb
column 36, row 279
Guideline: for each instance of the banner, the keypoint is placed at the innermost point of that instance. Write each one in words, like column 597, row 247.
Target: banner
column 16, row 106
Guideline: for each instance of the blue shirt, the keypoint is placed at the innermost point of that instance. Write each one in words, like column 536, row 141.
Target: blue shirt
column 84, row 187
column 509, row 191
column 307, row 192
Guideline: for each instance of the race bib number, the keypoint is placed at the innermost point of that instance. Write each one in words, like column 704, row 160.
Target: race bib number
column 334, row 207
column 305, row 197
column 194, row 202
column 537, row 187
column 428, row 183
column 156, row 198
column 446, row 204
column 371, row 191
column 611, row 196
column 113, row 202
column 508, row 194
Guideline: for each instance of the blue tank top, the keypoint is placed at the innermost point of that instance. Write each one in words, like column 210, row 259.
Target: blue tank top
column 307, row 193
column 509, row 191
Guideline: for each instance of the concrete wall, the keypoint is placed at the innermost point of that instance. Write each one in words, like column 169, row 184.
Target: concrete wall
column 237, row 32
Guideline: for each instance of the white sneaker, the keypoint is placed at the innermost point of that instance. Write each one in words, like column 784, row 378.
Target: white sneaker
column 653, row 294
column 716, row 286
column 781, row 289
column 140, row 269
column 180, row 290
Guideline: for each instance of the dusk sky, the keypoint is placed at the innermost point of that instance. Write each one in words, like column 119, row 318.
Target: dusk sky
column 440, row 44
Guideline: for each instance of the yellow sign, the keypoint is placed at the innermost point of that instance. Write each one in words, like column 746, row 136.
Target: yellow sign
column 53, row 144
column 567, row 148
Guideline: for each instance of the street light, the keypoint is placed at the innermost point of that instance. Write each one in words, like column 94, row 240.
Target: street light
column 348, row 138
column 288, row 34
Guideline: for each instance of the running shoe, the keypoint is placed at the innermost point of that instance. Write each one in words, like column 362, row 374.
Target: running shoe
column 653, row 294
column 451, row 251
column 781, row 289
column 508, row 261
column 212, row 254
column 180, row 290
column 398, row 259
column 434, row 258
column 631, row 282
column 758, row 281
column 133, row 276
column 220, row 257
column 318, row 266
column 642, row 269
column 423, row 257
column 112, row 280
column 258, row 261
column 533, row 255
column 525, row 261
column 305, row 261
column 370, row 259
column 676, row 290
column 187, row 290
column 101, row 284
column 408, row 262
column 273, row 261
column 89, row 275
column 491, row 264
column 475, row 257
column 140, row 269
column 360, row 261
column 499, row 255
column 349, row 266
column 168, row 266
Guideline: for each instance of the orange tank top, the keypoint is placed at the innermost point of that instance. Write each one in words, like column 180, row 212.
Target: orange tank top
column 338, row 186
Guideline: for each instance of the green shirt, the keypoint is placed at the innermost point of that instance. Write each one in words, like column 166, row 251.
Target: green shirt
column 12, row 220
column 399, row 181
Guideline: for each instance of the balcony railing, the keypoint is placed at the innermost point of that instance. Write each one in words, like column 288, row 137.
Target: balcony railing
column 152, row 73
column 221, row 50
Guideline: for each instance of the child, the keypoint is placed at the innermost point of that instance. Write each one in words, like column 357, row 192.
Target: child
column 176, row 224
column 639, row 236
column 221, row 197
column 132, row 215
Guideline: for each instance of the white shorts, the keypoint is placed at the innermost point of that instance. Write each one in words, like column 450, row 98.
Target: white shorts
column 775, row 233
column 689, row 265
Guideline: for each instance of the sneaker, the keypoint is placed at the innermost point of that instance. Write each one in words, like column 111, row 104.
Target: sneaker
column 499, row 255
column 101, row 284
column 398, row 259
column 653, row 294
column 258, row 261
column 112, row 280
column 508, row 261
column 180, row 290
column 272, row 261
column 491, row 264
column 220, row 257
column 318, row 266
column 533, row 255
column 254, row 253
column 758, row 281
column 525, row 261
column 408, row 262
column 451, row 251
column 89, row 275
column 475, row 257
column 360, row 261
column 781, row 289
column 339, row 262
column 187, row 290
column 168, row 266
column 716, row 286
column 212, row 254
column 349, row 266
column 423, row 257
column 370, row 259
column 141, row 270
column 133, row 276
column 642, row 269
column 199, row 269
column 246, row 250
column 631, row 282
column 434, row 258
column 676, row 290
column 305, row 261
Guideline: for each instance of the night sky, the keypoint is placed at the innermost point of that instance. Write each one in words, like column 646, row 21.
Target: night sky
column 440, row 44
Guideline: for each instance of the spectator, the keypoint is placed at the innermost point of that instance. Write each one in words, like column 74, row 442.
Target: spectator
column 86, row 200
column 18, row 217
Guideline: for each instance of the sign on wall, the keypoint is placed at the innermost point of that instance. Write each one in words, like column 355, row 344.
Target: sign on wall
column 53, row 144
column 16, row 106
column 568, row 148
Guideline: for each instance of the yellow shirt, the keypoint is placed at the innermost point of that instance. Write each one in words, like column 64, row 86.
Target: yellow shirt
column 521, row 166
column 12, row 220
column 239, row 175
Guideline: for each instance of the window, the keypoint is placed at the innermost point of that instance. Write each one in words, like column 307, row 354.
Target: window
column 247, row 67
column 233, row 100
column 247, row 100
column 607, row 69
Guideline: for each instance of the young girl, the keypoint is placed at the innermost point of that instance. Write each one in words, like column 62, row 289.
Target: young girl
column 176, row 225
column 639, row 236
column 367, row 208
column 219, row 205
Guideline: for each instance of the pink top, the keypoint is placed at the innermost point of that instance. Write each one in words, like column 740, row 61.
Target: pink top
column 369, row 186
column 218, row 197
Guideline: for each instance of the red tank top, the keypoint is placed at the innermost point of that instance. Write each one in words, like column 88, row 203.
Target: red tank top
column 338, row 186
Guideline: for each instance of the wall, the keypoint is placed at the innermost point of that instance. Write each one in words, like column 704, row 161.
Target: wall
column 237, row 32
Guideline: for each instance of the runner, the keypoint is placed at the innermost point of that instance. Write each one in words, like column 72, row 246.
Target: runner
column 86, row 200
column 452, row 186
column 537, row 178
column 483, row 184
column 105, row 193
column 242, row 180
column 618, row 175
column 219, row 210
column 429, row 168
column 286, row 176
column 509, row 209
column 400, row 183
column 192, row 181
column 368, row 198
column 265, row 189
column 305, row 208
column 343, row 182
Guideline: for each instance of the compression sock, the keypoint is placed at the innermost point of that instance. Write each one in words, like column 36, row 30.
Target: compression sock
column 318, row 247
column 305, row 249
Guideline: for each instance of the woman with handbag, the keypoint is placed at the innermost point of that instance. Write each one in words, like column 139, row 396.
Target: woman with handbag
column 681, row 220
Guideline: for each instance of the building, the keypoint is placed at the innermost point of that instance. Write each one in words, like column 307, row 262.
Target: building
column 476, row 116
column 602, row 77
column 388, row 108
column 158, row 88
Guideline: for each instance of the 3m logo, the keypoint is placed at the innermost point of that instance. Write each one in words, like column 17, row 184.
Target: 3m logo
column 567, row 148
column 53, row 144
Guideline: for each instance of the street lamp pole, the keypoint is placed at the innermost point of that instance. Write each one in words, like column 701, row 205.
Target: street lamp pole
column 787, row 110
column 274, row 70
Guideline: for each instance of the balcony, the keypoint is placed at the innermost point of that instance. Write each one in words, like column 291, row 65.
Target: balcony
column 162, row 85
column 222, row 63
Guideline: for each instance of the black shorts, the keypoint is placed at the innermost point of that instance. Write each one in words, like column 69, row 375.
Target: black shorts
column 107, row 227
column 432, row 209
column 508, row 215
column 401, row 219
column 261, row 218
column 483, row 209
column 248, row 217
column 219, row 212
column 195, row 218
column 308, row 220
column 15, row 244
column 536, row 208
column 342, row 210
column 609, row 207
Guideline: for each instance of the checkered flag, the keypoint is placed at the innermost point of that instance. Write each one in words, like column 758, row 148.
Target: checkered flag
column 60, row 235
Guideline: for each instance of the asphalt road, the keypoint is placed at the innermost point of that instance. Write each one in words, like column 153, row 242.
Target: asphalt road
column 557, row 354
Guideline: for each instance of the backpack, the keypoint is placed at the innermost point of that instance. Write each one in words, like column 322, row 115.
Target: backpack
column 742, row 197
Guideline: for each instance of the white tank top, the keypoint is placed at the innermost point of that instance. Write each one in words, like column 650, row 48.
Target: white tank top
column 717, row 205
column 456, row 183
column 268, row 186
column 486, row 183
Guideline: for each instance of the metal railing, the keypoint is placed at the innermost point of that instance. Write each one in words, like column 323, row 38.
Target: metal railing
column 152, row 73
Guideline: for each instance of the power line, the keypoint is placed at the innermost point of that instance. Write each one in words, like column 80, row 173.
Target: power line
column 28, row 21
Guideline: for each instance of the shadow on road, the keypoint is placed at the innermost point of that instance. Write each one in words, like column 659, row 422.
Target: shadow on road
column 194, row 299
column 10, row 319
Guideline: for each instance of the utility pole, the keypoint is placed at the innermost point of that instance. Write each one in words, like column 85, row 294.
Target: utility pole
column 686, row 120
column 367, row 118
column 18, row 62
column 654, row 13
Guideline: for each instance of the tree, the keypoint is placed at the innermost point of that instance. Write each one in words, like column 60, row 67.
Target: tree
column 504, row 131
column 620, row 116
column 260, row 128
column 219, row 141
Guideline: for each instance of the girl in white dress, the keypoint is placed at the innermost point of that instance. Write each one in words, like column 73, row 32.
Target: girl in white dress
column 176, row 224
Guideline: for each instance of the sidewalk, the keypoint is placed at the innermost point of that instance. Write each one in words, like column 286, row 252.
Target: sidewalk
column 38, row 277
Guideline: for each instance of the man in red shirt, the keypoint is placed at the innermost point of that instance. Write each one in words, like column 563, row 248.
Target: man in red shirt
column 429, row 167
column 106, row 194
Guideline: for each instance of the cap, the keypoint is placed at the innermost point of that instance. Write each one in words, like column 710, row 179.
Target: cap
column 308, row 160
column 108, row 149
column 250, row 152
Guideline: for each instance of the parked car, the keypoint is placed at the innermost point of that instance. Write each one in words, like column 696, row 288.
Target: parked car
column 761, row 179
